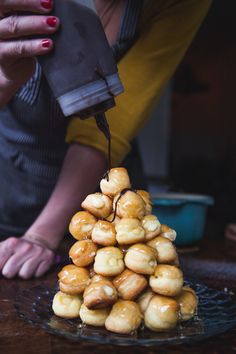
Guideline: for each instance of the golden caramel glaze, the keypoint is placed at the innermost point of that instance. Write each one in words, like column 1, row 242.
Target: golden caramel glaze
column 147, row 199
column 100, row 294
column 129, row 205
column 81, row 225
column 167, row 232
column 98, row 204
column 125, row 317
column 188, row 302
column 161, row 314
column 152, row 226
column 144, row 299
column 141, row 259
column 176, row 261
column 104, row 233
column 118, row 179
column 66, row 306
column 113, row 218
column 73, row 280
column 91, row 270
column 167, row 280
column 165, row 249
column 98, row 277
column 82, row 253
column 129, row 285
column 109, row 261
column 129, row 231
column 95, row 318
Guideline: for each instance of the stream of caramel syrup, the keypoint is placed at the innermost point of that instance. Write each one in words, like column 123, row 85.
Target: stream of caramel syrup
column 103, row 125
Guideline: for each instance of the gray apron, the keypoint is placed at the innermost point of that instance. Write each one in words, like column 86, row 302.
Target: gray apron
column 32, row 148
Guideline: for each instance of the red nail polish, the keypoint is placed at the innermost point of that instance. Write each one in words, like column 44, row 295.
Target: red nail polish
column 51, row 21
column 46, row 43
column 47, row 4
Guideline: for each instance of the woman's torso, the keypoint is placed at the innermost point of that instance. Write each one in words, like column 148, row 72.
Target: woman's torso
column 32, row 140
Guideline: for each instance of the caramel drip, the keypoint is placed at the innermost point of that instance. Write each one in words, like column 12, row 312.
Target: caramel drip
column 103, row 125
column 116, row 204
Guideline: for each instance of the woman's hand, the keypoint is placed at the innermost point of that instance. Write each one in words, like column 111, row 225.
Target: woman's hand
column 17, row 50
column 21, row 257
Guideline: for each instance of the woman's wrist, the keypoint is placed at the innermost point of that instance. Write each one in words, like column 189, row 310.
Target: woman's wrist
column 42, row 240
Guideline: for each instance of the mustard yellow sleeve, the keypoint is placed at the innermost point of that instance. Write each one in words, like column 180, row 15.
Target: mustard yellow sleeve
column 167, row 28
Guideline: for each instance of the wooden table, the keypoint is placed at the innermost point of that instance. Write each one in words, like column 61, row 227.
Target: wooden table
column 17, row 336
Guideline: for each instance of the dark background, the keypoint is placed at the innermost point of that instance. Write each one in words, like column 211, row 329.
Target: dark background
column 203, row 115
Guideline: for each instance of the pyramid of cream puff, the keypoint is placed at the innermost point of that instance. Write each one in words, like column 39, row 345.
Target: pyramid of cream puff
column 124, row 267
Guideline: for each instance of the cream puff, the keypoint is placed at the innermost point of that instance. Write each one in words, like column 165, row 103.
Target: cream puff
column 81, row 225
column 129, row 205
column 147, row 199
column 66, row 306
column 97, row 277
column 152, row 226
column 161, row 314
column 95, row 318
column 144, row 299
column 176, row 261
column 73, row 280
column 100, row 294
column 188, row 302
column 118, row 179
column 109, row 261
column 167, row 280
column 104, row 233
column 98, row 204
column 129, row 285
column 82, row 253
column 141, row 259
column 165, row 248
column 125, row 317
column 129, row 231
column 113, row 218
column 167, row 232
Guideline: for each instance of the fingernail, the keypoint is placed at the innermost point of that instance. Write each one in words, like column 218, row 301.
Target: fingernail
column 46, row 43
column 51, row 21
column 47, row 4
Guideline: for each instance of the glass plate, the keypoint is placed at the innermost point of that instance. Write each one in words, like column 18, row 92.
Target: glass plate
column 216, row 314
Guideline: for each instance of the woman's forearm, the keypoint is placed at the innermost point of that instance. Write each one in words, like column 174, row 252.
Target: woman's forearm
column 82, row 169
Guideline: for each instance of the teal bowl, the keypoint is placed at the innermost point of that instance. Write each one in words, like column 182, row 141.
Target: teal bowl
column 185, row 213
